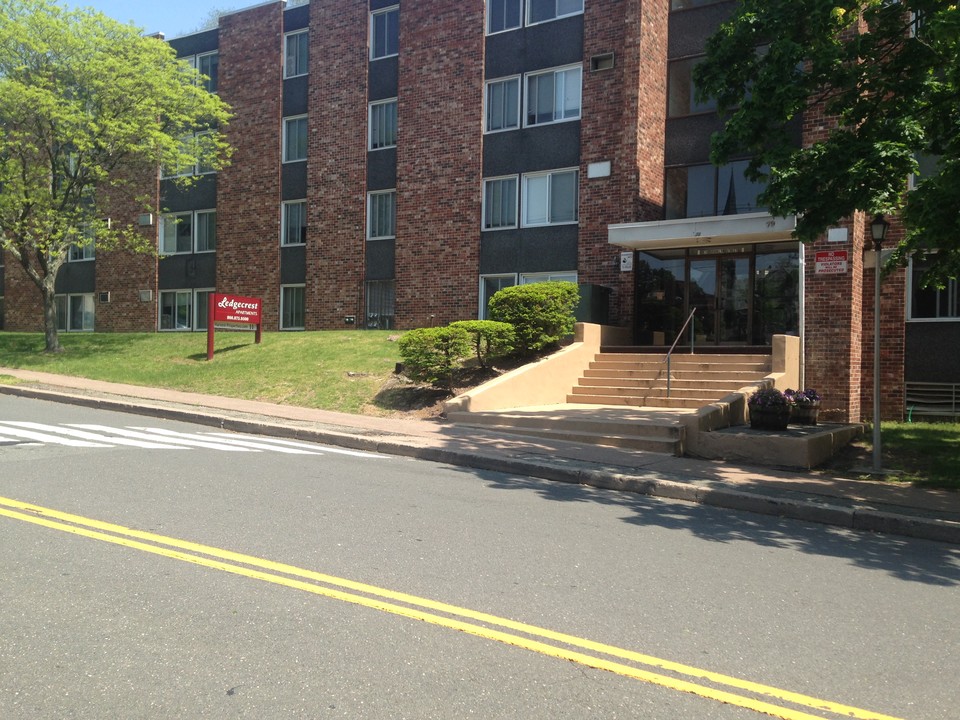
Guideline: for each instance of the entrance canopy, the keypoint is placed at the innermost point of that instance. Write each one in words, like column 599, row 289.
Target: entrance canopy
column 695, row 232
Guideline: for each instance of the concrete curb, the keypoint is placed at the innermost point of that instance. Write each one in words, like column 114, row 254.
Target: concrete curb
column 611, row 478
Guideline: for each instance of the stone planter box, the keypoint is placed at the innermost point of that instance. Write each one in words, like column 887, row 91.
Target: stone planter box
column 769, row 418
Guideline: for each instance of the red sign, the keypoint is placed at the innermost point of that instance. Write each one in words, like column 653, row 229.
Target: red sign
column 233, row 309
column 831, row 262
column 237, row 309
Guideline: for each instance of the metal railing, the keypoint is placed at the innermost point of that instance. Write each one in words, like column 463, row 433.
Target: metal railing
column 692, row 324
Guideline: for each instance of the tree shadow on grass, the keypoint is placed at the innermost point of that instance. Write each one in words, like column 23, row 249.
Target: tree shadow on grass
column 910, row 559
column 218, row 351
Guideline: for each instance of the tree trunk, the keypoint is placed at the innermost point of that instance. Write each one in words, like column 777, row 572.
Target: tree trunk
column 50, row 334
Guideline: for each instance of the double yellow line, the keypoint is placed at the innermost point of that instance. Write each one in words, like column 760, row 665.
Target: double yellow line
column 453, row 617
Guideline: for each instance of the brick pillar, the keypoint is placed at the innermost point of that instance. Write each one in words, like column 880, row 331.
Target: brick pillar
column 336, row 166
column 439, row 161
column 123, row 273
column 248, row 191
column 623, row 121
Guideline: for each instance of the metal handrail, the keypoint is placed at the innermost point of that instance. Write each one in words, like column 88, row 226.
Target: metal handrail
column 676, row 340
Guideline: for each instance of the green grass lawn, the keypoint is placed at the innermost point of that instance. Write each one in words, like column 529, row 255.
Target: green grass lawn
column 335, row 370
column 923, row 453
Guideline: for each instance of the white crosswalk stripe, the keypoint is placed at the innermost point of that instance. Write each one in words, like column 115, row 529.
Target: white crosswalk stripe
column 94, row 437
column 46, row 437
column 239, row 441
column 186, row 441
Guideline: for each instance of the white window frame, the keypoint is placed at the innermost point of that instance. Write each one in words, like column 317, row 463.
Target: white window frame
column 952, row 288
column 196, row 231
column 283, row 307
column 187, row 170
column 370, row 223
column 287, row 121
column 195, row 309
column 284, row 218
column 557, row 16
column 489, row 15
column 211, row 79
column 553, row 72
column 201, row 310
column 555, row 276
column 87, row 312
column 486, row 103
column 374, row 15
column 78, row 252
column 370, row 134
column 166, row 218
column 482, row 309
column 516, row 203
column 298, row 36
column 525, row 200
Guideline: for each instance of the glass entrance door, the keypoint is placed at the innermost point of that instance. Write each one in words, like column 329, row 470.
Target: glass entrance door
column 719, row 290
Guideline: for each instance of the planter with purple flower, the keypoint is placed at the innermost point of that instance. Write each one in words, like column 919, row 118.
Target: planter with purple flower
column 806, row 406
column 769, row 409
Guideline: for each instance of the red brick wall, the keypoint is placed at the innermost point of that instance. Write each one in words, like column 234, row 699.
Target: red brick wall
column 23, row 303
column 623, row 120
column 123, row 273
column 248, row 191
column 336, row 170
column 439, row 161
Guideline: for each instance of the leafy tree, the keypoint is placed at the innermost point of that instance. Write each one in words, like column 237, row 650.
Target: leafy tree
column 887, row 73
column 541, row 313
column 86, row 104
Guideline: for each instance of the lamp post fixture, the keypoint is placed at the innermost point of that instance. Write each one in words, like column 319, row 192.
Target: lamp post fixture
column 878, row 230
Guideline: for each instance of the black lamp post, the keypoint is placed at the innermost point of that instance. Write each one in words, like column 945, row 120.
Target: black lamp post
column 878, row 230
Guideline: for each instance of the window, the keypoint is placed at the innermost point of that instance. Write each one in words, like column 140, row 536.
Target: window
column 681, row 93
column 295, row 139
column 186, row 232
column 930, row 303
column 295, row 54
column 383, row 124
column 75, row 313
column 550, row 198
column 539, row 11
column 184, row 309
column 294, row 223
column 206, row 231
column 502, row 105
column 176, row 233
column 382, row 215
column 191, row 143
column 292, row 307
column 203, row 141
column 489, row 286
column 500, row 203
column 708, row 190
column 82, row 251
column 209, row 65
column 384, row 33
column 502, row 15
column 176, row 309
column 554, row 95
column 530, row 278
column 381, row 302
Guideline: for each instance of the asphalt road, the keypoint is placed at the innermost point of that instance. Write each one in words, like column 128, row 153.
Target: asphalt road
column 200, row 578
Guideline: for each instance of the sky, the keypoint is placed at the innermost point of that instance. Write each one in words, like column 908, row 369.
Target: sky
column 171, row 17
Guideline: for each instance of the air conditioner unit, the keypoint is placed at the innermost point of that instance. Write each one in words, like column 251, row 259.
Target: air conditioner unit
column 146, row 295
column 145, row 220
column 105, row 297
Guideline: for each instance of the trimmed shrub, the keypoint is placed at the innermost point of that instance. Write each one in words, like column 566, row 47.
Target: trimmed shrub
column 541, row 313
column 432, row 354
column 490, row 339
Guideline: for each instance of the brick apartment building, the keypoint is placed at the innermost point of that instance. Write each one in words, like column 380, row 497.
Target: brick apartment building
column 395, row 166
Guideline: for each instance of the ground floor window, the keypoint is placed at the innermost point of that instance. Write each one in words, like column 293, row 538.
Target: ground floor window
column 292, row 307
column 75, row 313
column 739, row 295
column 184, row 309
column 491, row 284
column 931, row 303
column 381, row 296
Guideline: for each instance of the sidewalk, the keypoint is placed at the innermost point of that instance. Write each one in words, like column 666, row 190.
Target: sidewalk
column 814, row 497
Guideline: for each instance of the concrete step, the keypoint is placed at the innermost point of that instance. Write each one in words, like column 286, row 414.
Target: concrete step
column 631, row 434
column 687, row 367
column 633, row 401
column 644, row 393
column 712, row 385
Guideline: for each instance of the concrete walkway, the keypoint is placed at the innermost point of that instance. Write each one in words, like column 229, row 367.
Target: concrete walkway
column 810, row 496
